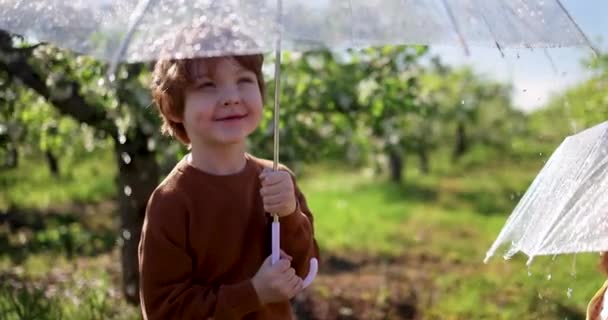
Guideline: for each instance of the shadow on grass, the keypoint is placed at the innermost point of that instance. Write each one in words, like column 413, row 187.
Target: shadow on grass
column 401, row 191
column 25, row 232
column 500, row 200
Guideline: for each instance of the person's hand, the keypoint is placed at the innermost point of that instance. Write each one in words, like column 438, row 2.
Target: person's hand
column 278, row 282
column 278, row 192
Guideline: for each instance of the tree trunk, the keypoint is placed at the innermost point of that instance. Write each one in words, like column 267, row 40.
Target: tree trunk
column 462, row 144
column 424, row 160
column 137, row 178
column 396, row 165
column 13, row 156
column 53, row 163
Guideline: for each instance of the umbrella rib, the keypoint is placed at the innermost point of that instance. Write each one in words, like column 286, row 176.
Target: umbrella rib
column 456, row 28
column 134, row 21
column 485, row 20
column 578, row 28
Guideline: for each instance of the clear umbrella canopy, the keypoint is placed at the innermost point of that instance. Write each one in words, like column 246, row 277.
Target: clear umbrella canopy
column 565, row 210
column 146, row 29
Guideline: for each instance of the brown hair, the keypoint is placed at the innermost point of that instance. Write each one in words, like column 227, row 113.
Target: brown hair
column 171, row 77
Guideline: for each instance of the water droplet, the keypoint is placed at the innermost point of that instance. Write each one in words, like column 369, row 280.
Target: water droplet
column 462, row 102
column 540, row 296
column 549, row 276
column 569, row 293
column 151, row 144
column 112, row 78
column 128, row 191
column 126, row 157
column 101, row 82
column 122, row 139
column 540, row 154
column 126, row 234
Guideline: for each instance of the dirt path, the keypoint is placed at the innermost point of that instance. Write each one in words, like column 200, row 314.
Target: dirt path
column 359, row 287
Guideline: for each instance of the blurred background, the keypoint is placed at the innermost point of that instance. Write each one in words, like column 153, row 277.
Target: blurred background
column 411, row 159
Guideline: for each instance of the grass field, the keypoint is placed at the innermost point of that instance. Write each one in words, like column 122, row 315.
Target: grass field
column 389, row 251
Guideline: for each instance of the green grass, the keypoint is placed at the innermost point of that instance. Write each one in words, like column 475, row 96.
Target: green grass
column 453, row 215
column 31, row 185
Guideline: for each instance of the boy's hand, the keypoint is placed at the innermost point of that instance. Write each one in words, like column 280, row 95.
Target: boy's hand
column 278, row 192
column 278, row 282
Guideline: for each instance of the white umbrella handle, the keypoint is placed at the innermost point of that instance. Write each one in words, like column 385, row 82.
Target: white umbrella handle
column 276, row 253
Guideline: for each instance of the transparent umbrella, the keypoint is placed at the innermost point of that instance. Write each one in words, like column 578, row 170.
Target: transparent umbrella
column 145, row 30
column 565, row 210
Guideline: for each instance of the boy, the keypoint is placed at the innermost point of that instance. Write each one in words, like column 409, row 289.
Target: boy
column 205, row 245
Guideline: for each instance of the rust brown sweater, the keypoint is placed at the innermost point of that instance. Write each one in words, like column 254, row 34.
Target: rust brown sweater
column 204, row 238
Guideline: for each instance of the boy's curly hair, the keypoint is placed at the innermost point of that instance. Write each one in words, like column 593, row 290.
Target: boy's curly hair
column 174, row 74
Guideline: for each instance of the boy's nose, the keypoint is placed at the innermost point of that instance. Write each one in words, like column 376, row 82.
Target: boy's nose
column 231, row 101
column 230, row 97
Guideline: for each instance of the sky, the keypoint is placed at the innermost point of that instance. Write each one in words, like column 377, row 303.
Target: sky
column 538, row 74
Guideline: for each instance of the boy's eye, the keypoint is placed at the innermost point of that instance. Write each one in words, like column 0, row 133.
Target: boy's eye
column 206, row 84
column 245, row 80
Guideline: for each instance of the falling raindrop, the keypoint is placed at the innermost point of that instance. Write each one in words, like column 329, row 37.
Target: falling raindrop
column 569, row 293
column 126, row 234
column 126, row 158
column 549, row 276
column 462, row 102
column 540, row 296
column 101, row 82
column 540, row 154
column 127, row 191
column 122, row 139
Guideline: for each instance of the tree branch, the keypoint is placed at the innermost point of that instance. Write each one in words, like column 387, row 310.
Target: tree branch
column 15, row 62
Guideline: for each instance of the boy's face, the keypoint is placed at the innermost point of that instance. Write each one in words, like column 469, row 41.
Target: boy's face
column 224, row 105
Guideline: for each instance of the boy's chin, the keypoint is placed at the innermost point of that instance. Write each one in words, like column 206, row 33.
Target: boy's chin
column 231, row 139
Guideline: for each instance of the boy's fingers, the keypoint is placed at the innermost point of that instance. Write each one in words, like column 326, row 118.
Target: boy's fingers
column 272, row 178
column 271, row 190
column 273, row 200
column 274, row 209
column 296, row 286
column 282, row 265
column 268, row 260
column 284, row 255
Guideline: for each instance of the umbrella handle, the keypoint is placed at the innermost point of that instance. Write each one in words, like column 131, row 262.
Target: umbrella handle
column 276, row 253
